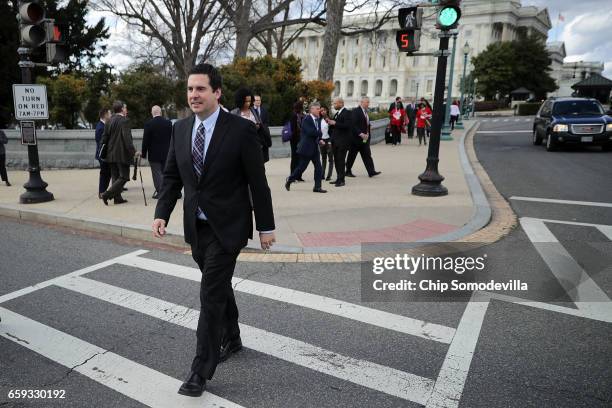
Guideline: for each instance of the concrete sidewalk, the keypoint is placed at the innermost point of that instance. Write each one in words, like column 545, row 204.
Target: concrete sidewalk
column 378, row 209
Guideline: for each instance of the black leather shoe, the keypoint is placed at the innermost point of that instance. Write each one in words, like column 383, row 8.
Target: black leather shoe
column 333, row 181
column 376, row 173
column 349, row 174
column 230, row 347
column 319, row 190
column 288, row 184
column 154, row 196
column 120, row 200
column 301, row 180
column 124, row 189
column 340, row 184
column 193, row 386
column 8, row 184
column 104, row 198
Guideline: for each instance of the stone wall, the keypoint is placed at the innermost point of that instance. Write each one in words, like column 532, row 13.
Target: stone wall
column 66, row 149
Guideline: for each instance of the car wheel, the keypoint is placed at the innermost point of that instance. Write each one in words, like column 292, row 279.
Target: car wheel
column 551, row 146
column 536, row 140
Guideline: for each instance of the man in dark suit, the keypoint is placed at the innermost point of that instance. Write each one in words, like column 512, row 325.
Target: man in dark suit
column 105, row 173
column 261, row 111
column 120, row 152
column 361, row 140
column 411, row 110
column 341, row 131
column 155, row 143
column 308, row 149
column 217, row 158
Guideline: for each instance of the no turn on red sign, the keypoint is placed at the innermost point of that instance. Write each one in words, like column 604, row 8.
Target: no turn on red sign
column 30, row 102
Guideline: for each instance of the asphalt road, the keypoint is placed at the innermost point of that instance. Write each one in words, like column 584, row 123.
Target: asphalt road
column 118, row 331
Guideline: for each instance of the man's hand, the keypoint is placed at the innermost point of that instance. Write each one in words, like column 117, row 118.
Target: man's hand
column 159, row 228
column 266, row 239
column 363, row 136
column 322, row 142
column 331, row 122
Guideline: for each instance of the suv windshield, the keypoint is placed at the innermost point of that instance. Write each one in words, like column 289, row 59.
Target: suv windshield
column 576, row 108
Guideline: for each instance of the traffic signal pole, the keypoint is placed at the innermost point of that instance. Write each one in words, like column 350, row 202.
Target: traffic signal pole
column 431, row 179
column 36, row 188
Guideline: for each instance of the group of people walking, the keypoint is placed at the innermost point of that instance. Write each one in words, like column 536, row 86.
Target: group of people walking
column 338, row 140
column 406, row 119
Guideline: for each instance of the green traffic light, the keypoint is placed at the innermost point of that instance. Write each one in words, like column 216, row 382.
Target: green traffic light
column 448, row 16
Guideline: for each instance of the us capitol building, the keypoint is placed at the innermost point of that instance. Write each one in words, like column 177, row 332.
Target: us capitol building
column 370, row 64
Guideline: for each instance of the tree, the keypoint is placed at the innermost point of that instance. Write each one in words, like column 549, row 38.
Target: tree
column 99, row 80
column 183, row 30
column 9, row 71
column 505, row 66
column 66, row 95
column 141, row 87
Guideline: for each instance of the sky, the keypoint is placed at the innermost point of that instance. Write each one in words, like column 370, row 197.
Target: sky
column 584, row 29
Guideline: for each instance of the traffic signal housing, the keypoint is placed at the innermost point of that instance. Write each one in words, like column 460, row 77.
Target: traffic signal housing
column 408, row 38
column 449, row 14
column 32, row 19
column 57, row 51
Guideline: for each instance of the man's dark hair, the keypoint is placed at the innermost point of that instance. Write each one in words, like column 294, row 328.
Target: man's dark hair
column 398, row 99
column 240, row 96
column 118, row 106
column 103, row 112
column 214, row 76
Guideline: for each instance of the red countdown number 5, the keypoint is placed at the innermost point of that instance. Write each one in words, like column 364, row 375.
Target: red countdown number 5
column 404, row 40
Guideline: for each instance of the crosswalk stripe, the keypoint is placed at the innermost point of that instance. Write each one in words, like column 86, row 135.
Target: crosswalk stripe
column 505, row 120
column 577, row 283
column 83, row 271
column 367, row 374
column 569, row 202
column 324, row 304
column 127, row 377
column 495, row 120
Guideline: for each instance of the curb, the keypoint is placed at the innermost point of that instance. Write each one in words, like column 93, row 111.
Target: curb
column 283, row 253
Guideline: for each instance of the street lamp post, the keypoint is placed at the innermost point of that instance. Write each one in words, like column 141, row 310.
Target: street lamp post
column 474, row 97
column 416, row 97
column 466, row 51
column 446, row 130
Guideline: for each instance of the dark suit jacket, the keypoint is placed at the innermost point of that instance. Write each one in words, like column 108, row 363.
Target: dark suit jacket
column 99, row 134
column 156, row 139
column 265, row 117
column 399, row 106
column 309, row 137
column 342, row 131
column 360, row 125
column 118, row 137
column 233, row 163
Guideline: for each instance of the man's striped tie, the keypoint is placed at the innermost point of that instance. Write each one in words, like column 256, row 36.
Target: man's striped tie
column 197, row 154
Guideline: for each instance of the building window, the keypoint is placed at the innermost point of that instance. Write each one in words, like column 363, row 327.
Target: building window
column 429, row 87
column 393, row 87
column 337, row 88
column 342, row 63
column 384, row 62
column 378, row 88
column 356, row 62
column 364, row 87
column 468, row 33
column 349, row 88
column 370, row 63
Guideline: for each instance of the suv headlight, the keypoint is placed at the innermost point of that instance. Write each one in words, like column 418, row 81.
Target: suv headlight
column 609, row 127
column 560, row 128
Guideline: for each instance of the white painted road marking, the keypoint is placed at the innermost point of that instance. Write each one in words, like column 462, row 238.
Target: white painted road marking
column 83, row 271
column 484, row 132
column 569, row 202
column 127, row 377
column 371, row 375
column 576, row 282
column 324, row 304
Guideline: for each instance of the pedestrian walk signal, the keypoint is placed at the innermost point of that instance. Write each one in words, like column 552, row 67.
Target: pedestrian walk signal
column 410, row 21
column 407, row 41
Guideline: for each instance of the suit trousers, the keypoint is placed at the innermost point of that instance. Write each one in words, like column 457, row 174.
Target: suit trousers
column 105, row 176
column 327, row 155
column 120, row 174
column 340, row 152
column 295, row 157
column 3, row 167
column 366, row 156
column 411, row 129
column 318, row 170
column 218, row 311
column 157, row 171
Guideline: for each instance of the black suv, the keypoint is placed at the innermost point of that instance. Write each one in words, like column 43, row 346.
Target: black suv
column 572, row 120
